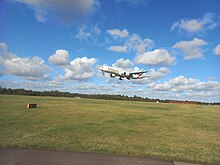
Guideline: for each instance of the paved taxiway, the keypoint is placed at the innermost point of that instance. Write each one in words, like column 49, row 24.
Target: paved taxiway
column 36, row 157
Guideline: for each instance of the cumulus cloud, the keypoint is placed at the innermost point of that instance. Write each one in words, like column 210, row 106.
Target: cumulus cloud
column 217, row 50
column 29, row 68
column 136, row 43
column 192, row 49
column 79, row 69
column 158, row 74
column 123, row 64
column 118, row 33
column 132, row 42
column 182, row 84
column 192, row 88
column 66, row 11
column 152, row 76
column 156, row 57
column 122, row 49
column 60, row 58
column 196, row 25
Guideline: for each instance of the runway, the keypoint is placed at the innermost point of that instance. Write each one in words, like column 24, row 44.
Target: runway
column 10, row 156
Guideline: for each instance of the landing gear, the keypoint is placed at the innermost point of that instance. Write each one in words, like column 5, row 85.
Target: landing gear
column 120, row 78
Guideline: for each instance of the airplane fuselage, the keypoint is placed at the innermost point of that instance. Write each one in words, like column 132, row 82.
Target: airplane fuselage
column 110, row 70
column 121, row 74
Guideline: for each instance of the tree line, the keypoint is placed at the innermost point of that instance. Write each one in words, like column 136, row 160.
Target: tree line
column 57, row 93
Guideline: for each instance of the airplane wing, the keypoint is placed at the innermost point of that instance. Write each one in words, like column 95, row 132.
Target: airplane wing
column 138, row 72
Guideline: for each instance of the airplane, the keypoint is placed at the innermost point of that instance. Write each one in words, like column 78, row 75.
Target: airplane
column 123, row 74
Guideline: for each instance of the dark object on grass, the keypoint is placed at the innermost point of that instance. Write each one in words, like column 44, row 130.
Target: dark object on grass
column 31, row 106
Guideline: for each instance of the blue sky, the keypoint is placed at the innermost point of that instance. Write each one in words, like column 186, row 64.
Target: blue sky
column 59, row 45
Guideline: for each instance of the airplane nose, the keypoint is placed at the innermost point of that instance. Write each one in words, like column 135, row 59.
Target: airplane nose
column 103, row 67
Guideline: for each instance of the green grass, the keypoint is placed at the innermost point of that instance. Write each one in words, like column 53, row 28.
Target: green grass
column 189, row 133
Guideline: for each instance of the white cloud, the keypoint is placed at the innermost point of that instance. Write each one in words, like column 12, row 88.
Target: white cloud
column 34, row 68
column 66, row 11
column 132, row 43
column 118, row 33
column 152, row 75
column 156, row 57
column 28, row 68
column 217, row 50
column 79, row 69
column 122, row 49
column 183, row 84
column 136, row 43
column 59, row 58
column 188, row 25
column 88, row 34
column 86, row 87
column 123, row 64
column 158, row 74
column 83, row 34
column 196, row 25
column 192, row 49
column 189, row 88
column 34, row 85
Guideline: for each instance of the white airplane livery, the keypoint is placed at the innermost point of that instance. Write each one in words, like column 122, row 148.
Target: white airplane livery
column 114, row 72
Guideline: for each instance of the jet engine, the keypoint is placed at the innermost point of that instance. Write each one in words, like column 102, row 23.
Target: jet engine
column 126, row 74
column 112, row 75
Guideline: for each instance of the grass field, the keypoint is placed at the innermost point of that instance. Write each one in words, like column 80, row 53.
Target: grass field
column 189, row 133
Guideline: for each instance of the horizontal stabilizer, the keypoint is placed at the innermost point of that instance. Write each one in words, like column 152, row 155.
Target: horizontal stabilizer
column 138, row 72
